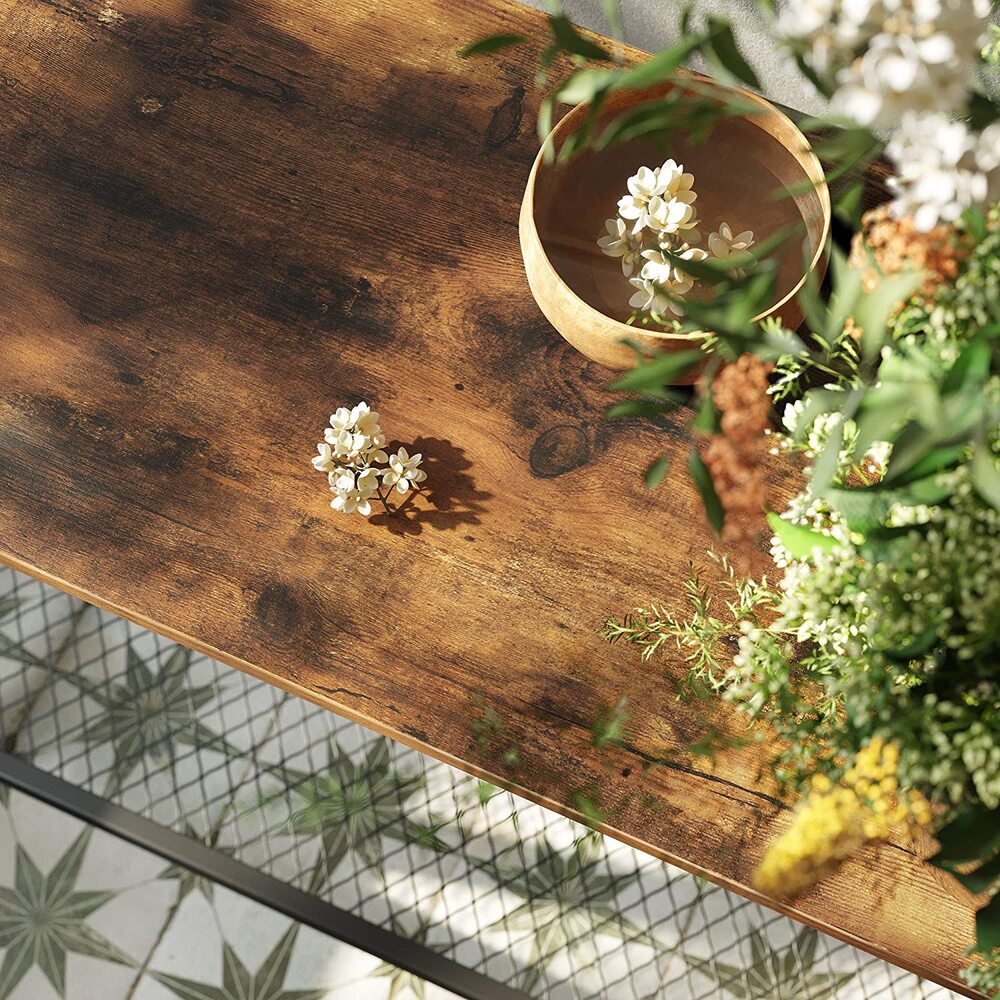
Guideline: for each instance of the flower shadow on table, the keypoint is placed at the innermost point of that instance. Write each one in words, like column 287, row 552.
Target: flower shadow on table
column 447, row 500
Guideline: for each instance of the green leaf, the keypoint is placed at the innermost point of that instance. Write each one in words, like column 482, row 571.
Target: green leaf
column 982, row 879
column 703, row 480
column 986, row 474
column 828, row 461
column 988, row 926
column 707, row 417
column 660, row 67
column 800, row 541
column 570, row 40
column 848, row 204
column 609, row 727
column 973, row 835
column 982, row 111
column 662, row 370
column 613, row 15
column 657, row 471
column 724, row 55
column 972, row 365
column 945, row 457
column 491, row 43
column 873, row 310
column 639, row 408
column 585, row 85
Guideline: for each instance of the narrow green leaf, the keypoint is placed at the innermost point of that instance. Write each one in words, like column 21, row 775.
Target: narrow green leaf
column 658, row 372
column 828, row 461
column 662, row 66
column 656, row 472
column 703, row 480
column 973, row 835
column 986, row 474
column 707, row 417
column 570, row 40
column 639, row 408
column 873, row 310
column 724, row 54
column 982, row 879
column 490, row 44
column 800, row 541
column 988, row 926
column 972, row 365
column 848, row 205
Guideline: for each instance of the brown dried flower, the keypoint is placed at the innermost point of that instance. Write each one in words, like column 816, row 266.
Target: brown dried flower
column 895, row 245
column 734, row 456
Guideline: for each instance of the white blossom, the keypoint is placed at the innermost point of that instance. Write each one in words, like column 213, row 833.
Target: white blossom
column 403, row 471
column 651, row 297
column 621, row 243
column 353, row 493
column 643, row 186
column 942, row 168
column 350, row 454
column 723, row 244
column 662, row 269
column 922, row 58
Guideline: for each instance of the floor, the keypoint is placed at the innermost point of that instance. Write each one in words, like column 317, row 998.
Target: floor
column 491, row 881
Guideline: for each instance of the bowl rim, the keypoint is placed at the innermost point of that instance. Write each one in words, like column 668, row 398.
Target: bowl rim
column 807, row 158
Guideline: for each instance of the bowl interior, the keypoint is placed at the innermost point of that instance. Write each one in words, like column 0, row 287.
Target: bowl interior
column 740, row 172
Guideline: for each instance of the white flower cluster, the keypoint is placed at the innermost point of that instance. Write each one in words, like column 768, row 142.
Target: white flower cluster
column 352, row 448
column 943, row 168
column 657, row 221
column 907, row 65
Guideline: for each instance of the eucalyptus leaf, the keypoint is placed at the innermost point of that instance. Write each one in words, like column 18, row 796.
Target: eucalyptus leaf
column 972, row 835
column 988, row 926
column 569, row 39
column 490, row 44
column 656, row 472
column 800, row 541
column 986, row 474
column 722, row 52
column 658, row 372
column 873, row 310
column 983, row 878
column 714, row 510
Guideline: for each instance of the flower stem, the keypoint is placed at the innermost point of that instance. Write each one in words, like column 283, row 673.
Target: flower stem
column 388, row 509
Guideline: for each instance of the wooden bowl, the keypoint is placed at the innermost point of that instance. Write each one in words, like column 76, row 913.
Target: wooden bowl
column 738, row 170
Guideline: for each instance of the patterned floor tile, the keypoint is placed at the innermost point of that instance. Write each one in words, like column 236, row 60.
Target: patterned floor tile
column 490, row 880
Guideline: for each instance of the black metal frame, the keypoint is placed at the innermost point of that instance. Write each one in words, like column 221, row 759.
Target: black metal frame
column 255, row 885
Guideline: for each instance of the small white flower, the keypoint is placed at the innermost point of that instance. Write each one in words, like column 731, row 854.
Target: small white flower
column 365, row 420
column 649, row 297
column 325, row 461
column 342, row 420
column 621, row 243
column 353, row 494
column 662, row 270
column 724, row 244
column 643, row 186
column 942, row 168
column 673, row 214
column 403, row 471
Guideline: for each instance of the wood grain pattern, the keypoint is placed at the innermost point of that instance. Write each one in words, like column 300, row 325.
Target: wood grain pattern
column 223, row 218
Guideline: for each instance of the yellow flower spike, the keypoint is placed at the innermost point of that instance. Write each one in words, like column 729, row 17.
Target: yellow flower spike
column 832, row 823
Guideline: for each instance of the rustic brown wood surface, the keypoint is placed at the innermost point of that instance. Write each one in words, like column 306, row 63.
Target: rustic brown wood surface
column 221, row 219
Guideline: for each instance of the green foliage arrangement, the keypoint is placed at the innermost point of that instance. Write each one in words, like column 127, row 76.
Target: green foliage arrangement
column 876, row 654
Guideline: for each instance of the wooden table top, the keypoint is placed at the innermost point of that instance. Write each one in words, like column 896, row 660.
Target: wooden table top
column 222, row 219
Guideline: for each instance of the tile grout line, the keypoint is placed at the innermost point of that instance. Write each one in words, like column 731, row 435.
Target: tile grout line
column 211, row 838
